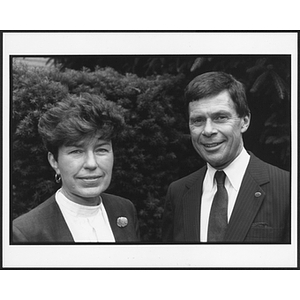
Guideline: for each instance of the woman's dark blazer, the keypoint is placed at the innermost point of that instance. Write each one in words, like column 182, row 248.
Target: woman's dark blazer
column 46, row 224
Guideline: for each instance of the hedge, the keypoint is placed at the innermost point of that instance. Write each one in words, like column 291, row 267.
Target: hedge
column 154, row 150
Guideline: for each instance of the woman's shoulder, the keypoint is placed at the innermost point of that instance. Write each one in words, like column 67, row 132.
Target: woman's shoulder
column 38, row 212
column 117, row 202
column 115, row 198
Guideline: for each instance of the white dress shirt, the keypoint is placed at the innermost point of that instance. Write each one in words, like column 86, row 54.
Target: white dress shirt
column 234, row 176
column 86, row 223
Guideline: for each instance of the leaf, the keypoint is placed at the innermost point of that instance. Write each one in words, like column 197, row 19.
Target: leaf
column 279, row 85
column 259, row 82
column 198, row 63
column 259, row 66
column 271, row 121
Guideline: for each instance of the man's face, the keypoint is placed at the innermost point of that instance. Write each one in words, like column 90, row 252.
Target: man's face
column 216, row 129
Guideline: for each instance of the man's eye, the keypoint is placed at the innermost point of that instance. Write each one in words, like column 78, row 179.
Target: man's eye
column 221, row 118
column 197, row 121
column 77, row 151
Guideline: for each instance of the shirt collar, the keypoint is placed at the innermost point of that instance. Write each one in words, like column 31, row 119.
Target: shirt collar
column 76, row 209
column 234, row 172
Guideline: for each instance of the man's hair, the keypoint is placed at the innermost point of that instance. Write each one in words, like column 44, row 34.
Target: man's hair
column 212, row 83
column 79, row 117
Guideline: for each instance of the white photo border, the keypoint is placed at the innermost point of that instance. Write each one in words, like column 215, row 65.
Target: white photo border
column 149, row 255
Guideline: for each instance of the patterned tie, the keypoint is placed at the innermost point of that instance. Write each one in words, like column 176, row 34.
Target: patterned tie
column 218, row 213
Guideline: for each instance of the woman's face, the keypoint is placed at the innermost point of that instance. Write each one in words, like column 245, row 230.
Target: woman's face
column 85, row 169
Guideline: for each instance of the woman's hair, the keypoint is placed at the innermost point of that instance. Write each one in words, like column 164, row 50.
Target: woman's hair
column 79, row 117
column 212, row 83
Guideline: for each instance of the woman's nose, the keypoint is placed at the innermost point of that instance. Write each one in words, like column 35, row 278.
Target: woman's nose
column 90, row 160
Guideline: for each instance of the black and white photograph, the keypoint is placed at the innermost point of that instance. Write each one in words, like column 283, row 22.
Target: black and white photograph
column 150, row 150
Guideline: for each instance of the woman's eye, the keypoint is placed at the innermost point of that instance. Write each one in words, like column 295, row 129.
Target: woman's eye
column 102, row 150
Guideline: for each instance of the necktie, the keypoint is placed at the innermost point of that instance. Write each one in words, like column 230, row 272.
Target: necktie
column 218, row 213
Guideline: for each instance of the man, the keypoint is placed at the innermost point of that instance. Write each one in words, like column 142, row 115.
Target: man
column 250, row 202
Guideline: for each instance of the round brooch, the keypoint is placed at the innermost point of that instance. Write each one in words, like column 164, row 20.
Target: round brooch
column 122, row 221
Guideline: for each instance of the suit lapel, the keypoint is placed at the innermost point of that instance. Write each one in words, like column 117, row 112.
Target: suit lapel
column 192, row 205
column 64, row 234
column 113, row 213
column 248, row 202
column 57, row 223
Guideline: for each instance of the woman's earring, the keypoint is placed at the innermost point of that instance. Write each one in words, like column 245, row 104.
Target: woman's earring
column 57, row 178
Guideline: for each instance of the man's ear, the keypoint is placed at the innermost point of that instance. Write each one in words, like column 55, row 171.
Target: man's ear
column 245, row 123
column 53, row 162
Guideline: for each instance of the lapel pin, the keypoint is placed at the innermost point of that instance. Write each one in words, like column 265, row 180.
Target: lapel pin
column 257, row 194
column 122, row 222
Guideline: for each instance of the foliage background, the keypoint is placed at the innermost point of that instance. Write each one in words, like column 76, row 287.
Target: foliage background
column 155, row 149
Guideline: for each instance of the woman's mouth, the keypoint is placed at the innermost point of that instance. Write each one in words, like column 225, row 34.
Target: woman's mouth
column 90, row 179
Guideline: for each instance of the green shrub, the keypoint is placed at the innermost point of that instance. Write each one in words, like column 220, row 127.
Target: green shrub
column 152, row 152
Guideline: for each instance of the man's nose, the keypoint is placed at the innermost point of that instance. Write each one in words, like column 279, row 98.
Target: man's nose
column 209, row 128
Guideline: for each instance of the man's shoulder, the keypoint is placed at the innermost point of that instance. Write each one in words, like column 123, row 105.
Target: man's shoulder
column 190, row 178
column 258, row 165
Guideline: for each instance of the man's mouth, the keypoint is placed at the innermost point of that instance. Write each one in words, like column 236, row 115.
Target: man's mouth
column 212, row 145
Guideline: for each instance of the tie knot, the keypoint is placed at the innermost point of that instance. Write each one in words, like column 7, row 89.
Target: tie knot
column 220, row 177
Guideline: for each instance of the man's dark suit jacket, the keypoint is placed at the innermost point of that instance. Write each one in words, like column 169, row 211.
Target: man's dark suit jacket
column 46, row 224
column 261, row 213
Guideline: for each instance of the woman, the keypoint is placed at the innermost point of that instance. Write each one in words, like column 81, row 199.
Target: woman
column 78, row 134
